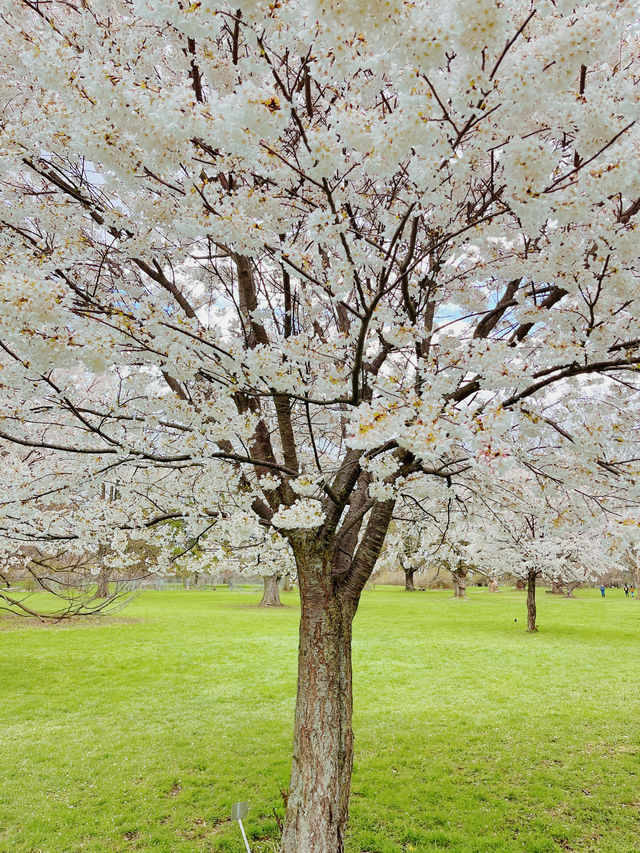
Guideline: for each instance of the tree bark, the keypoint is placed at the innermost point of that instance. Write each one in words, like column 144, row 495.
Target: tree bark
column 531, row 602
column 520, row 583
column 409, row 584
column 637, row 573
column 102, row 589
column 318, row 800
column 557, row 587
column 460, row 583
column 271, row 594
column 493, row 585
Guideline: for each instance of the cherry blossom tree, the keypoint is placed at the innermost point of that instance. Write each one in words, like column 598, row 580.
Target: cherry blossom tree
column 534, row 527
column 583, row 557
column 625, row 531
column 264, row 554
column 405, row 546
column 451, row 554
column 56, row 584
column 53, row 579
column 303, row 262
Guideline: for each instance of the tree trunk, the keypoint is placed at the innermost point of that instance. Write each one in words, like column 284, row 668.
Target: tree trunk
column 102, row 589
column 318, row 801
column 408, row 580
column 459, row 583
column 493, row 585
column 531, row 602
column 557, row 587
column 637, row 582
column 520, row 583
column 271, row 594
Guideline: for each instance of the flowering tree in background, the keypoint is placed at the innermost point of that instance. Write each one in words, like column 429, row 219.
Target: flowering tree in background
column 304, row 262
column 583, row 558
column 250, row 549
column 462, row 549
column 78, row 582
column 626, row 543
column 82, row 576
column 453, row 550
column 522, row 524
column 532, row 528
column 406, row 546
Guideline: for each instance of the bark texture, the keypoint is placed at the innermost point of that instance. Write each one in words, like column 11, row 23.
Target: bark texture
column 557, row 587
column 521, row 583
column 271, row 594
column 333, row 566
column 493, row 585
column 460, row 583
column 531, row 602
column 318, row 801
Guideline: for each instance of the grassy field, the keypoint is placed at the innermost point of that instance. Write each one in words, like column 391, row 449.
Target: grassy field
column 137, row 732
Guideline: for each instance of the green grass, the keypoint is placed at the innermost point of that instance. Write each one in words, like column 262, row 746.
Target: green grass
column 139, row 731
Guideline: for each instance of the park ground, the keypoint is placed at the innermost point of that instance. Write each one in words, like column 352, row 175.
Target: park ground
column 137, row 732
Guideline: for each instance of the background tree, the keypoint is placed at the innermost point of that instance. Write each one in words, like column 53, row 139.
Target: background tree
column 625, row 548
column 542, row 529
column 268, row 556
column 405, row 546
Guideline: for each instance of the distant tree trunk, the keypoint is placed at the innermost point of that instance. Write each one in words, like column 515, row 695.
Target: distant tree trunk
column 287, row 584
column 271, row 594
column 408, row 580
column 102, row 590
column 557, row 588
column 493, row 585
column 520, row 583
column 637, row 573
column 531, row 602
column 460, row 583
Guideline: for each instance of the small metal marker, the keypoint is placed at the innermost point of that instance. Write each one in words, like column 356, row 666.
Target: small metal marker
column 238, row 811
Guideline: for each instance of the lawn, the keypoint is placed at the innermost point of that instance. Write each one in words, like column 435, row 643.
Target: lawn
column 138, row 731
